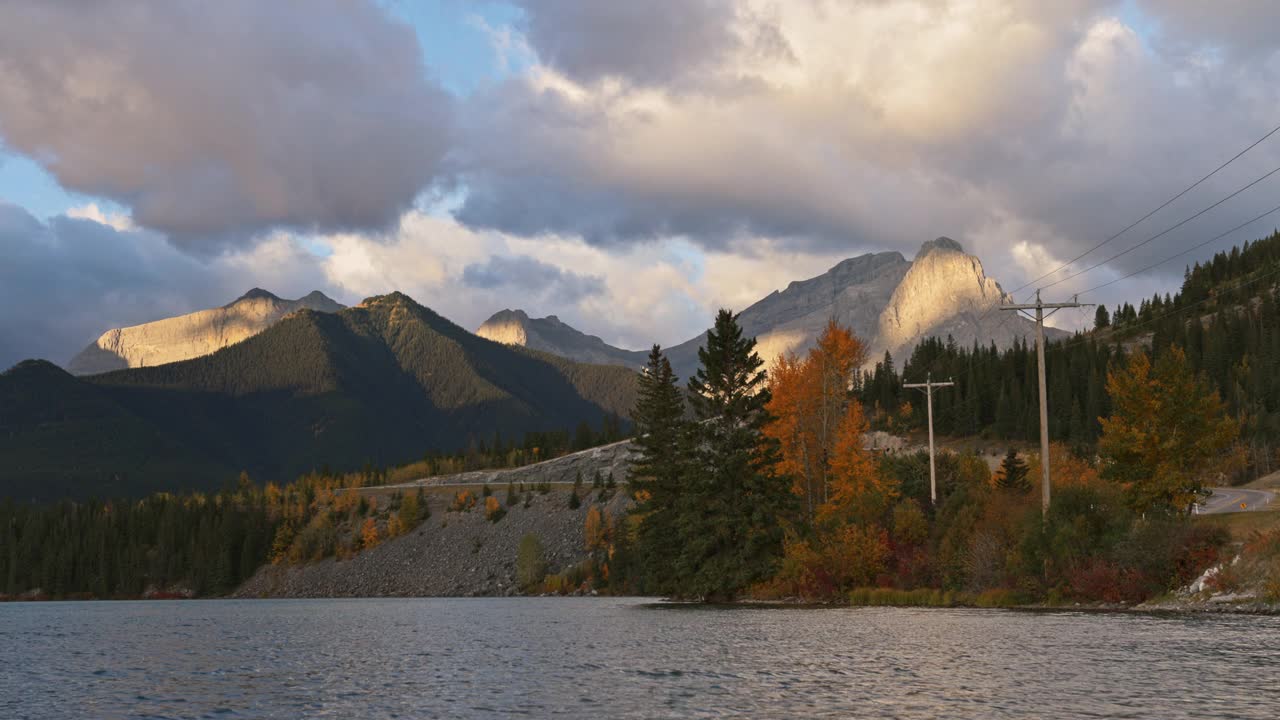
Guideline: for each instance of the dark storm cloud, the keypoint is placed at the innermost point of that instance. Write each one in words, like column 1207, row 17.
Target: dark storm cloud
column 658, row 41
column 215, row 120
column 531, row 277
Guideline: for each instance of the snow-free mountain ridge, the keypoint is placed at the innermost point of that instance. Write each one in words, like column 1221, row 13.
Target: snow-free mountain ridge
column 889, row 301
column 192, row 335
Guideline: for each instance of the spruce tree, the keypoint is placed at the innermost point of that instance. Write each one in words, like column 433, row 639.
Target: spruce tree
column 731, row 518
column 662, row 442
column 1013, row 473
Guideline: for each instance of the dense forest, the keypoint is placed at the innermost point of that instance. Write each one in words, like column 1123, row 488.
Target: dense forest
column 1226, row 318
column 377, row 384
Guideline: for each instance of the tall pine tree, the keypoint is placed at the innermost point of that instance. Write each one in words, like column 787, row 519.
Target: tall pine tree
column 731, row 524
column 662, row 442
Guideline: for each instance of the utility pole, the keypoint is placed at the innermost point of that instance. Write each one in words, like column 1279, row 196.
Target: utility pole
column 928, row 385
column 1040, row 307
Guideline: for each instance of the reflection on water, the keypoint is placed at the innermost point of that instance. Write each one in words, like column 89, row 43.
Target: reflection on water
column 592, row 657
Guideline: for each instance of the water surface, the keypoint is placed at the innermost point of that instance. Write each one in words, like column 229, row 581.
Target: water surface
column 596, row 657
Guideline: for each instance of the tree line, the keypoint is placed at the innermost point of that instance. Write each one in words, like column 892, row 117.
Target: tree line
column 763, row 487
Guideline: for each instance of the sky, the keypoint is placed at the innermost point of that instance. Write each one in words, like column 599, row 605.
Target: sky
column 628, row 167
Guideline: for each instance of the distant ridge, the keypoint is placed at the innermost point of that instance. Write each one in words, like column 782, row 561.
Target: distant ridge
column 549, row 334
column 890, row 302
column 192, row 335
column 379, row 383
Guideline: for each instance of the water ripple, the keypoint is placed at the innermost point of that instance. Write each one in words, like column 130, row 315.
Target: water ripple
column 594, row 657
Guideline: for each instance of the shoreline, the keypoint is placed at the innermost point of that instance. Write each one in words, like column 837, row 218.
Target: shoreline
column 1244, row 607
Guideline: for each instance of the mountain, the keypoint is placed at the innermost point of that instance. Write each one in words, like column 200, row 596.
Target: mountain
column 381, row 383
column 192, row 335
column 889, row 301
column 548, row 334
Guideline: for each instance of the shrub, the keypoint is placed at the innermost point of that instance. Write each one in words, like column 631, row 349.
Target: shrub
column 1099, row 580
column 486, row 490
column 531, row 566
column 463, row 501
column 511, row 495
column 493, row 510
column 575, row 502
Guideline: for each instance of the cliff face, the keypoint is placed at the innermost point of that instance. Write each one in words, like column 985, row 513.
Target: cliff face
column 548, row 334
column 192, row 335
column 946, row 293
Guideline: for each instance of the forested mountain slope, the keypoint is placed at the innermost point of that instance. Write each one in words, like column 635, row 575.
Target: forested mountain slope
column 1226, row 317
column 380, row 383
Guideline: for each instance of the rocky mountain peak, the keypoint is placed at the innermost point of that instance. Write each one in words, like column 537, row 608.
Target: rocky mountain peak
column 509, row 327
column 940, row 243
column 194, row 334
column 256, row 294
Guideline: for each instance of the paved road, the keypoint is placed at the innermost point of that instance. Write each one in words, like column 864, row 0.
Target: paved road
column 1228, row 500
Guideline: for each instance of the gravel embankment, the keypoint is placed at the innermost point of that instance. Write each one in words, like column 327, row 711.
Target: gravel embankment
column 449, row 554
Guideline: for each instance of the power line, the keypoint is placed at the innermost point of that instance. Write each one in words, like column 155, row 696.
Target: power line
column 1166, row 231
column 1164, row 205
column 1211, row 240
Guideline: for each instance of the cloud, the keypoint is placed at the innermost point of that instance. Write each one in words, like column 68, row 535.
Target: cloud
column 871, row 125
column 655, row 42
column 531, row 278
column 213, row 122
column 65, row 281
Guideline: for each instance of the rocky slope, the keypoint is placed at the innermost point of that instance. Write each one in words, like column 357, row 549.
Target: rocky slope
column 450, row 554
column 889, row 301
column 548, row 334
column 193, row 335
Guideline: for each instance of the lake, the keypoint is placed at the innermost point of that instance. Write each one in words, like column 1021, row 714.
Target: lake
column 609, row 657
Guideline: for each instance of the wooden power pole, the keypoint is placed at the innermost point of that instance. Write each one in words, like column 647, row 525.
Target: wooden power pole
column 1040, row 307
column 928, row 385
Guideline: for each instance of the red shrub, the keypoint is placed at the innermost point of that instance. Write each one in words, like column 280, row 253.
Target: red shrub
column 1098, row 580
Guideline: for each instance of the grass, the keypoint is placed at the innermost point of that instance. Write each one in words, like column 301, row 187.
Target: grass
column 1242, row 525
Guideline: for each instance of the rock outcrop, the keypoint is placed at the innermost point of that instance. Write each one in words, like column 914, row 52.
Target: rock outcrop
column 192, row 335
column 947, row 293
column 549, row 334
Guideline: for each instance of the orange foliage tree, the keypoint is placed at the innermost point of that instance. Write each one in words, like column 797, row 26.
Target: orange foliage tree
column 810, row 402
column 369, row 534
column 820, row 429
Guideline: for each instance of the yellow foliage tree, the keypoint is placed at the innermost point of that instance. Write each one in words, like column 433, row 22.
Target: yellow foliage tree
column 1168, row 432
column 594, row 530
column 395, row 527
column 369, row 534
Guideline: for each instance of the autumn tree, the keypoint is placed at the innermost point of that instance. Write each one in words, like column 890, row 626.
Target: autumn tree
column 809, row 401
column 593, row 530
column 1168, row 432
column 369, row 534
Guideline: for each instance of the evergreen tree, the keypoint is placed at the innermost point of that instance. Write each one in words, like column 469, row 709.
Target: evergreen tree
column 731, row 521
column 1013, row 473
column 662, row 442
column 1101, row 319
